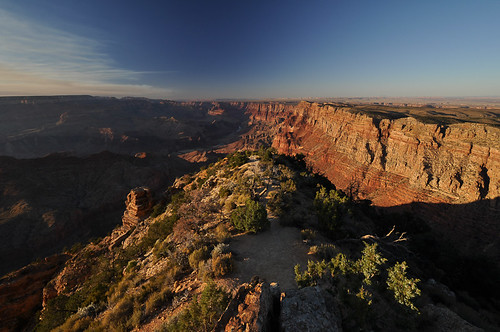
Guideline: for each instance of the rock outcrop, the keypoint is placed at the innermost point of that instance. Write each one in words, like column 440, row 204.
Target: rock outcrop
column 254, row 308
column 139, row 204
column 310, row 309
column 21, row 291
column 259, row 306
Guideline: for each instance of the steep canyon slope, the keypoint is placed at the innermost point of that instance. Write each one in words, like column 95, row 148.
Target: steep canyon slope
column 447, row 173
column 440, row 164
column 70, row 189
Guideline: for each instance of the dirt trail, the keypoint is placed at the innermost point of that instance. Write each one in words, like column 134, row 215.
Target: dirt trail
column 271, row 255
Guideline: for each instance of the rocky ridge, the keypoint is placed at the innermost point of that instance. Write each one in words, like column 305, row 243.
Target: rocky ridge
column 154, row 275
column 398, row 162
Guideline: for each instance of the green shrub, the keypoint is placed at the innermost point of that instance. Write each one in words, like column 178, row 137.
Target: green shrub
column 330, row 207
column 251, row 218
column 364, row 295
column 221, row 233
column 277, row 202
column 367, row 266
column 202, row 314
column 56, row 312
column 197, row 256
column 158, row 209
column 310, row 277
column 177, row 199
column 341, row 263
column 237, row 159
column 157, row 300
column 266, row 154
column 405, row 289
column 369, row 262
column 222, row 265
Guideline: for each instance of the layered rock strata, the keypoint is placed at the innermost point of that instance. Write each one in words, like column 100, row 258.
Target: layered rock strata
column 139, row 204
column 448, row 174
column 21, row 291
column 458, row 163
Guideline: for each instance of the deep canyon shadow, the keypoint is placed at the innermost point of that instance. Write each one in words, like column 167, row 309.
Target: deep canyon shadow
column 458, row 244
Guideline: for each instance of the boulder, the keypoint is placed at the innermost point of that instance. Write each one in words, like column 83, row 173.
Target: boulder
column 309, row 309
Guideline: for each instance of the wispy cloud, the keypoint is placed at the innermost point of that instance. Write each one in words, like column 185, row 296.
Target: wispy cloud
column 37, row 59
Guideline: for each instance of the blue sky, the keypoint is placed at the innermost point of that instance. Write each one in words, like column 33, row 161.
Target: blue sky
column 250, row 49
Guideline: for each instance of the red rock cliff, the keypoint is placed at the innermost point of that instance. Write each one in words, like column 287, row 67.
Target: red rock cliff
column 21, row 291
column 395, row 162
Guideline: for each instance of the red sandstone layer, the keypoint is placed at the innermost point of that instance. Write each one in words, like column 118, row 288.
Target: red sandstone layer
column 451, row 172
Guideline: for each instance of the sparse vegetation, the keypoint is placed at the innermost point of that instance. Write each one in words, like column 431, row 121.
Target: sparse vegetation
column 404, row 288
column 158, row 209
column 237, row 159
column 157, row 231
column 357, row 277
column 325, row 251
column 222, row 265
column 250, row 218
column 330, row 207
column 193, row 233
column 202, row 313
column 197, row 256
column 308, row 234
column 224, row 192
column 221, row 233
column 157, row 300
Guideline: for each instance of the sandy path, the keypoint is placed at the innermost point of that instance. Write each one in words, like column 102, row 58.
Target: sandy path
column 271, row 255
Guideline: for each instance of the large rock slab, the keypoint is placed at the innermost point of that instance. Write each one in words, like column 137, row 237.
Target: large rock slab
column 309, row 309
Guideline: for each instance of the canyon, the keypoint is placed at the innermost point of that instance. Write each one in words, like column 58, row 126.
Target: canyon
column 447, row 173
column 69, row 162
column 442, row 164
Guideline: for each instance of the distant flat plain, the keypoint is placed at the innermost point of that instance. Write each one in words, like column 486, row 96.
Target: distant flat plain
column 429, row 109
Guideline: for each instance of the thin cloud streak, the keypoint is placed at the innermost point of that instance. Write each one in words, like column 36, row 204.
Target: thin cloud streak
column 36, row 59
column 15, row 83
